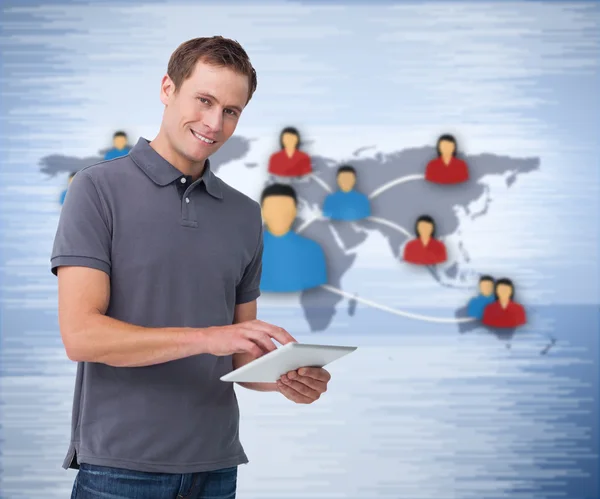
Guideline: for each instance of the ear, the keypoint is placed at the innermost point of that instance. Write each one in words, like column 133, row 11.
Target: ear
column 167, row 89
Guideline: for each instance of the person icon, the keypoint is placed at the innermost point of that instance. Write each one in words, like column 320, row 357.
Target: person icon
column 120, row 146
column 425, row 249
column 346, row 204
column 486, row 296
column 290, row 262
column 63, row 194
column 504, row 312
column 447, row 168
column 290, row 161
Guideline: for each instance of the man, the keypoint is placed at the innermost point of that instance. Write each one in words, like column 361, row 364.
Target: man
column 159, row 264
column 291, row 262
column 425, row 249
column 486, row 296
column 447, row 168
column 346, row 204
column 120, row 146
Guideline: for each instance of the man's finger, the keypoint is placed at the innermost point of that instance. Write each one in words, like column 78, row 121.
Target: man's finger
column 317, row 373
column 300, row 388
column 248, row 346
column 315, row 384
column 280, row 334
column 292, row 394
column 262, row 340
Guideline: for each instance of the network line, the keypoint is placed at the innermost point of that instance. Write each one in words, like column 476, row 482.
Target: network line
column 392, row 183
column 378, row 220
column 381, row 189
column 401, row 313
column 308, row 222
column 392, row 225
column 321, row 182
column 397, row 228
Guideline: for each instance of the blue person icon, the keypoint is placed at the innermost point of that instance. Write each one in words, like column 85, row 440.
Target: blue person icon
column 291, row 262
column 346, row 203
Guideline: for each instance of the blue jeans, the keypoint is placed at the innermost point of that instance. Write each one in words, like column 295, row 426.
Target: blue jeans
column 102, row 482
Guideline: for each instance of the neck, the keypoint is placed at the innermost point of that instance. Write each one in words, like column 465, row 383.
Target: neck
column 446, row 159
column 503, row 302
column 425, row 240
column 278, row 233
column 290, row 151
column 164, row 148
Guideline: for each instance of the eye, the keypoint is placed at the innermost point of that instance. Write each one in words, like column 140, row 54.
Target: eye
column 203, row 100
column 231, row 112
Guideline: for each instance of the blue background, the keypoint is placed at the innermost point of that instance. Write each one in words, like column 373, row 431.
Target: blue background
column 421, row 410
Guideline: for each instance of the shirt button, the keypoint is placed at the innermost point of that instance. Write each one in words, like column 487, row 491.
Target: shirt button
column 187, row 200
column 183, row 180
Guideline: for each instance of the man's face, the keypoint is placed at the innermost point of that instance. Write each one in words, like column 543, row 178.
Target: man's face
column 346, row 181
column 289, row 140
column 503, row 291
column 486, row 288
column 204, row 113
column 279, row 213
column 120, row 142
column 425, row 229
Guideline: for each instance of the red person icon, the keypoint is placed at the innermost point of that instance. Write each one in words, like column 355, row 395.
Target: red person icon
column 425, row 249
column 447, row 168
column 504, row 312
column 290, row 161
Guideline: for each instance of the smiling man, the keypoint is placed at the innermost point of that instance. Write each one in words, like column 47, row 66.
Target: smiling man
column 159, row 267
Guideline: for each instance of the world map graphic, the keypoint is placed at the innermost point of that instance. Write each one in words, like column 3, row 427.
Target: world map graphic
column 398, row 196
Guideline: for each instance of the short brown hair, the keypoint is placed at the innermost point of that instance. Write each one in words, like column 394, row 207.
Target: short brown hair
column 216, row 50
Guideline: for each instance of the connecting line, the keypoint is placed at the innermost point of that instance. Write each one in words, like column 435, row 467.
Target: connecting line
column 392, row 225
column 394, row 311
column 321, row 182
column 307, row 223
column 394, row 182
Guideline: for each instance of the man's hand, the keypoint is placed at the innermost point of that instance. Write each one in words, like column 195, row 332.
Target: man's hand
column 252, row 337
column 305, row 385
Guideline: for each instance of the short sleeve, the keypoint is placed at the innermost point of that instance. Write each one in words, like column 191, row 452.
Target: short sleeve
column 249, row 287
column 83, row 235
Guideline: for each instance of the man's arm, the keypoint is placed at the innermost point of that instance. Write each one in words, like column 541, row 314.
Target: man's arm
column 90, row 336
column 247, row 312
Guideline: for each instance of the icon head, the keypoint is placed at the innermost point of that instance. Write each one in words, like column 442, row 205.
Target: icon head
column 279, row 208
column 290, row 138
column 446, row 146
column 346, row 178
column 209, row 82
column 505, row 289
column 120, row 140
column 425, row 227
column 486, row 285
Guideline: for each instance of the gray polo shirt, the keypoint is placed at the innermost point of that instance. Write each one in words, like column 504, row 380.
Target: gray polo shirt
column 174, row 261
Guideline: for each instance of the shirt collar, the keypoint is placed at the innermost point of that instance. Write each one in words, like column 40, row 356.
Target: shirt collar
column 163, row 173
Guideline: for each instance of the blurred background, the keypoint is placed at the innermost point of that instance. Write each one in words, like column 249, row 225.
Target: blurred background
column 429, row 406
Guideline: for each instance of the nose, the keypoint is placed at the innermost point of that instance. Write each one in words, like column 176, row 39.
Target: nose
column 213, row 119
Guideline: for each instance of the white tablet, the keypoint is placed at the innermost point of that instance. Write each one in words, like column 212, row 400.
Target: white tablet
column 289, row 357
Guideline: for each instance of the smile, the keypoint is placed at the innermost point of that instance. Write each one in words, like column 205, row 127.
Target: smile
column 202, row 138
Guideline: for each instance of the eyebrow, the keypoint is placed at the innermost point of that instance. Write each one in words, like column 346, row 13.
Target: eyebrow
column 210, row 96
